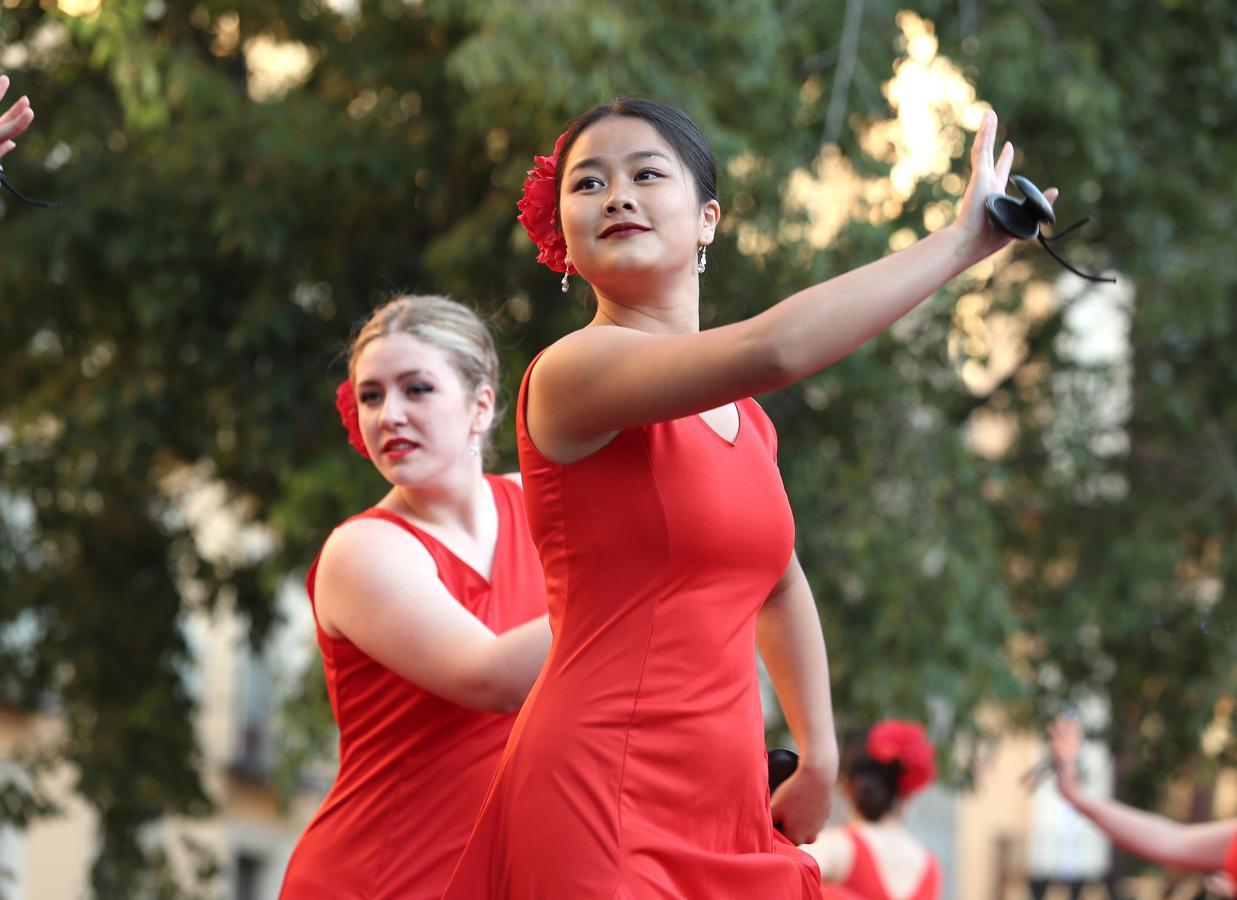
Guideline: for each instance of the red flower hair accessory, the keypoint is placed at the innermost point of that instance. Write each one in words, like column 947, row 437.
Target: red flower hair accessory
column 350, row 415
column 905, row 743
column 538, row 208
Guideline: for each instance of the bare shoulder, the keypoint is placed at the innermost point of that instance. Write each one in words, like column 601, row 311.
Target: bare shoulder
column 580, row 348
column 833, row 852
column 360, row 533
column 368, row 559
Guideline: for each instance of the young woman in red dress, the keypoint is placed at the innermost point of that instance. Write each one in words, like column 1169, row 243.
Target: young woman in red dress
column 636, row 768
column 430, row 610
column 1200, row 847
column 875, row 857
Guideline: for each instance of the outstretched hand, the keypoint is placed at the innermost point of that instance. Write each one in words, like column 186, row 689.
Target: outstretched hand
column 1065, row 736
column 988, row 176
column 15, row 120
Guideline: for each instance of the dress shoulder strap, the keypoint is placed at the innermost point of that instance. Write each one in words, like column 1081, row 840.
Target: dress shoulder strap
column 864, row 876
column 524, row 442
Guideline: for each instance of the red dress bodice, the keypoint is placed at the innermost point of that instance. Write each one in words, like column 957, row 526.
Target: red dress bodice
column 413, row 767
column 637, row 768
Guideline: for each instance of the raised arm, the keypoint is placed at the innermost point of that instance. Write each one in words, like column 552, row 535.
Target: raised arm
column 378, row 587
column 15, row 120
column 600, row 380
column 792, row 645
column 1200, row 847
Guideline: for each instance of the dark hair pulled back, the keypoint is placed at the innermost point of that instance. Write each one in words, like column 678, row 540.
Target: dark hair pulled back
column 873, row 784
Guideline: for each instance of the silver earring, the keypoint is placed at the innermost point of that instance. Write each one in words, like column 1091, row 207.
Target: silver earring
column 566, row 274
column 474, row 445
column 702, row 260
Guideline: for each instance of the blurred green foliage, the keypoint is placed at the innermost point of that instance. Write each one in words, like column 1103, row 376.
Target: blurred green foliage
column 188, row 306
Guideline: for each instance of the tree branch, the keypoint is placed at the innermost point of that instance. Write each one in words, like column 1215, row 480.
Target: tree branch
column 848, row 53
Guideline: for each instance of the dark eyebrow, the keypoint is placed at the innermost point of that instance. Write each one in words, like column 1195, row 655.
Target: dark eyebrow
column 400, row 377
column 596, row 161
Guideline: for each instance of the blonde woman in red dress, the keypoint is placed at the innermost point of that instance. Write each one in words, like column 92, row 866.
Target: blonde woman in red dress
column 430, row 610
column 637, row 766
column 875, row 856
column 1200, row 847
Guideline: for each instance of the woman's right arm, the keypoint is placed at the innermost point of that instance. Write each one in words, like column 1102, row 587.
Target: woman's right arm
column 600, row 380
column 379, row 588
column 1200, row 847
column 15, row 120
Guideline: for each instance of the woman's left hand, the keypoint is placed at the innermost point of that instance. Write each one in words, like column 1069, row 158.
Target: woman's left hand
column 802, row 803
column 1065, row 737
column 988, row 176
column 15, row 120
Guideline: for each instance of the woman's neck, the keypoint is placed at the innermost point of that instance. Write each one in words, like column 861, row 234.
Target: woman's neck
column 649, row 319
column 891, row 819
column 657, row 305
column 459, row 501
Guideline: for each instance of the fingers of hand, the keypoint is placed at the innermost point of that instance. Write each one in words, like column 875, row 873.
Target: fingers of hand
column 4, row 85
column 14, row 123
column 1003, row 164
column 806, row 836
column 982, row 145
column 1065, row 734
column 11, row 128
column 798, row 831
column 1051, row 195
column 20, row 105
column 6, row 147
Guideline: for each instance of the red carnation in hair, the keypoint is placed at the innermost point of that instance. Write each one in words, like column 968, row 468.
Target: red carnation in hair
column 345, row 402
column 905, row 743
column 538, row 207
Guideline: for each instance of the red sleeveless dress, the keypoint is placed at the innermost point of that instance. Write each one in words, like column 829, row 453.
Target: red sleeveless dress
column 1230, row 859
column 865, row 882
column 637, row 767
column 413, row 767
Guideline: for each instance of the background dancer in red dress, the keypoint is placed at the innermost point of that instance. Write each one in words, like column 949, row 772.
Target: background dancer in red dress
column 1200, row 847
column 430, row 609
column 875, row 857
column 636, row 768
